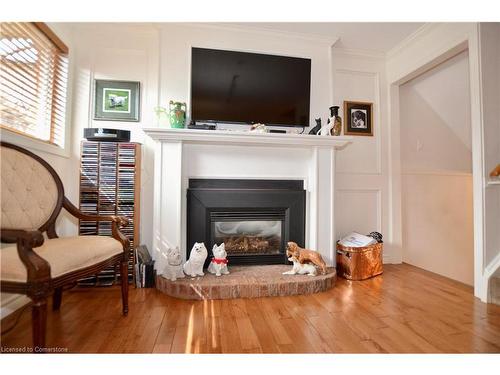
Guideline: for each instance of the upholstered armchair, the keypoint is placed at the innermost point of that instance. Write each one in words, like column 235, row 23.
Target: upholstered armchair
column 38, row 265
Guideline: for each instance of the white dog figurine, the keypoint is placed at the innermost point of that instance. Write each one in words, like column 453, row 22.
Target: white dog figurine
column 194, row 266
column 173, row 269
column 218, row 264
column 301, row 268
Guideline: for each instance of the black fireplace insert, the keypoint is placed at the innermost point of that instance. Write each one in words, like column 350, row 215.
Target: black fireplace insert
column 254, row 218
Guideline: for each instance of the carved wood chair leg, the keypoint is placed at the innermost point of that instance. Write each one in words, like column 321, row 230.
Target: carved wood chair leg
column 39, row 321
column 57, row 299
column 124, row 281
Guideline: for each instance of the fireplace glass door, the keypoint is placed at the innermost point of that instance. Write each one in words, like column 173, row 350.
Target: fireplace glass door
column 253, row 218
column 249, row 237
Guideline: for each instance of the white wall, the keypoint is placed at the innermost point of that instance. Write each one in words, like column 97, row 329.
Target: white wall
column 175, row 65
column 435, row 125
column 362, row 167
column 116, row 52
column 436, row 163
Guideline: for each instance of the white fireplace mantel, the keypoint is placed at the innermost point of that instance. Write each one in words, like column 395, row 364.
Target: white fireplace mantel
column 181, row 154
column 239, row 138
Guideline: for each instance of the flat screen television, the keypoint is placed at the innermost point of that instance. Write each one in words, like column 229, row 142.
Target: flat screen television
column 246, row 88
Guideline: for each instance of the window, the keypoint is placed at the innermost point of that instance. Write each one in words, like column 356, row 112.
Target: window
column 33, row 80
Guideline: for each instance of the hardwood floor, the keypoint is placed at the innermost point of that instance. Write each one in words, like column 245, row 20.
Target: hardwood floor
column 406, row 310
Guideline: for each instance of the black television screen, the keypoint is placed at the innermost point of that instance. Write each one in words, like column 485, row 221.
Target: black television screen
column 240, row 87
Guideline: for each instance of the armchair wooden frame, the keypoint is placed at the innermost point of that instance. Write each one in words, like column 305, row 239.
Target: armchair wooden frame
column 40, row 285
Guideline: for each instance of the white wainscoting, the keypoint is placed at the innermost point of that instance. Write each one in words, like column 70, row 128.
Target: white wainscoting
column 438, row 223
column 362, row 201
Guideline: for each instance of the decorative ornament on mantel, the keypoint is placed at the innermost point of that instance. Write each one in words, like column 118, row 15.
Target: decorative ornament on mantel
column 177, row 114
column 335, row 120
column 218, row 264
column 326, row 129
column 258, row 128
column 194, row 266
column 317, row 128
column 162, row 116
column 305, row 262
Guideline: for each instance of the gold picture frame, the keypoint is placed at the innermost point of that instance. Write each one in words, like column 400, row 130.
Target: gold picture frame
column 358, row 118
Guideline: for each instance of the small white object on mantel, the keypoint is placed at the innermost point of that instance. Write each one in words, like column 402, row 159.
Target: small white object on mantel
column 183, row 154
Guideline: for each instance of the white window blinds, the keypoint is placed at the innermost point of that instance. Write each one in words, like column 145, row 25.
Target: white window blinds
column 33, row 81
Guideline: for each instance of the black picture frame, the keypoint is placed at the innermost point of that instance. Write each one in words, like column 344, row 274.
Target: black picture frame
column 117, row 100
column 358, row 118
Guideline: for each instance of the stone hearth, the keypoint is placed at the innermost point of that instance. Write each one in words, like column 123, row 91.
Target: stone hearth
column 247, row 282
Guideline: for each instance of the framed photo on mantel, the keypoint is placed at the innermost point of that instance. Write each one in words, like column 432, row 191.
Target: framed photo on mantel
column 358, row 118
column 116, row 100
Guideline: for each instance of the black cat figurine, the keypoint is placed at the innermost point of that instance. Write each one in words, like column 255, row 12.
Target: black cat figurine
column 316, row 129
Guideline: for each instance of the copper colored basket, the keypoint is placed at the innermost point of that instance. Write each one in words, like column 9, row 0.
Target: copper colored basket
column 359, row 263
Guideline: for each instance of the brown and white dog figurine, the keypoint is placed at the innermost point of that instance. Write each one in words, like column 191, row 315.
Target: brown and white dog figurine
column 305, row 256
column 301, row 269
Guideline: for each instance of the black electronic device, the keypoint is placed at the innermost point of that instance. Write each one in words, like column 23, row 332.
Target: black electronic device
column 277, row 131
column 106, row 135
column 247, row 88
column 202, row 126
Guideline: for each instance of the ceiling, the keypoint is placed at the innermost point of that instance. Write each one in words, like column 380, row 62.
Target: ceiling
column 373, row 36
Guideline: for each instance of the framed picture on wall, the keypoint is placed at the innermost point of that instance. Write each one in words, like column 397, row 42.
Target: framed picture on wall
column 116, row 100
column 358, row 118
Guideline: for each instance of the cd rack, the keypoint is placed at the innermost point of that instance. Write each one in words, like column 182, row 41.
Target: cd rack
column 110, row 185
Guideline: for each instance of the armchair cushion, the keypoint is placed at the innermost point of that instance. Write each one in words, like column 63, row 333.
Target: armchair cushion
column 63, row 254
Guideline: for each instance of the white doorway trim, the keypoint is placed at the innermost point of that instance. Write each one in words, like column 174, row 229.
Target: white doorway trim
column 428, row 47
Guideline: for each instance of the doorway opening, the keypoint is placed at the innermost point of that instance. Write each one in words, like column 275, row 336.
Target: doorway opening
column 436, row 170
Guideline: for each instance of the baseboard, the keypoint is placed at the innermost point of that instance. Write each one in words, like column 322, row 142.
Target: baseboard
column 488, row 274
column 390, row 259
column 494, row 291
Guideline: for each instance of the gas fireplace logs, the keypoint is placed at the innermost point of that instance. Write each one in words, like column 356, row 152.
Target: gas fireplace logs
column 251, row 244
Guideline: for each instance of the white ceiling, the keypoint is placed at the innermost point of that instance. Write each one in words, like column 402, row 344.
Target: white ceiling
column 373, row 36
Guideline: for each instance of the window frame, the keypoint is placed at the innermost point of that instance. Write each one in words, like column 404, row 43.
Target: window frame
column 29, row 141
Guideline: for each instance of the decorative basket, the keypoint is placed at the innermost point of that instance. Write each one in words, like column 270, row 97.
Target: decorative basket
column 359, row 263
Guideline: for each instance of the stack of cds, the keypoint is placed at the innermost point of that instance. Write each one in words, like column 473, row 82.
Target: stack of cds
column 89, row 186
column 109, row 183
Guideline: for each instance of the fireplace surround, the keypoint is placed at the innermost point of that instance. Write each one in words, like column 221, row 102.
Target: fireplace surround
column 184, row 154
column 254, row 218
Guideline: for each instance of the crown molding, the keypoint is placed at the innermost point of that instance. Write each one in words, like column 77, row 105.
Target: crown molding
column 250, row 28
column 355, row 52
column 143, row 28
column 421, row 31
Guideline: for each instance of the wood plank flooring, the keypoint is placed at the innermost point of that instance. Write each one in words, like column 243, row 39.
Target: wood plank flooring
column 406, row 310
